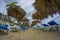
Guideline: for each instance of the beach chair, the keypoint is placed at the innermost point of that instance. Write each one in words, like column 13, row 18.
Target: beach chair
column 4, row 28
column 46, row 27
column 23, row 28
column 54, row 26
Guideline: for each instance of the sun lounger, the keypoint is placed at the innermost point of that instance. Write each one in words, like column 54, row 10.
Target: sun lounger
column 4, row 27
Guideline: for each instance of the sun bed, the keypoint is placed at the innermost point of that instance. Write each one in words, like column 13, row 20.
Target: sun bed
column 4, row 27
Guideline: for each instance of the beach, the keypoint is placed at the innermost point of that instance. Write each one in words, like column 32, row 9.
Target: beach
column 31, row 34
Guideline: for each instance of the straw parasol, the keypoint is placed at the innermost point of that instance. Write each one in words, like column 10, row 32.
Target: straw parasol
column 16, row 11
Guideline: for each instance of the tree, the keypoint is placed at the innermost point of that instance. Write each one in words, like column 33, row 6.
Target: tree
column 16, row 11
column 0, row 15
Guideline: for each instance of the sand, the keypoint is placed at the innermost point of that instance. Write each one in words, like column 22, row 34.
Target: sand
column 31, row 34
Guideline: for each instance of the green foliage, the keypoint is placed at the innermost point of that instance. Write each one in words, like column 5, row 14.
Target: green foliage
column 13, row 4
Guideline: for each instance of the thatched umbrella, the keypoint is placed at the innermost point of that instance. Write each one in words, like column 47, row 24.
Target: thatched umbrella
column 45, row 7
column 16, row 11
column 38, row 16
column 25, row 22
column 35, row 22
column 57, row 2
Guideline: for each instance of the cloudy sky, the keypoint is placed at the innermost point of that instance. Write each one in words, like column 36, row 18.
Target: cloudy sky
column 27, row 6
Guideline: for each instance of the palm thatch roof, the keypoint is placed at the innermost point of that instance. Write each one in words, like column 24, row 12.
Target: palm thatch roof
column 25, row 20
column 35, row 22
column 39, row 15
column 15, row 11
column 45, row 8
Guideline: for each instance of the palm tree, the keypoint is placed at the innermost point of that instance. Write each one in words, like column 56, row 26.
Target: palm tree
column 11, row 5
column 0, row 15
column 16, row 11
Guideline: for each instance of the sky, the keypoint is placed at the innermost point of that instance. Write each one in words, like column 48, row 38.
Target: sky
column 54, row 18
column 2, row 7
column 27, row 6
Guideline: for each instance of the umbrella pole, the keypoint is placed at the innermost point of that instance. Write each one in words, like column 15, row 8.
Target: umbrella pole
column 41, row 24
column 2, row 19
